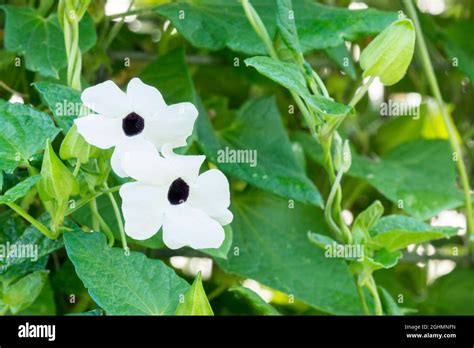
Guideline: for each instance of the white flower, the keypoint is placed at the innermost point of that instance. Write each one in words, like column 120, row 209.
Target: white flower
column 170, row 193
column 138, row 120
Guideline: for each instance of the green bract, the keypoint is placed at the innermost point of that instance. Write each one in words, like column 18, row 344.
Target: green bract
column 74, row 146
column 390, row 53
column 57, row 182
column 195, row 301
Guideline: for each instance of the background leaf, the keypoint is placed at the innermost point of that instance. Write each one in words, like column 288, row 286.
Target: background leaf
column 273, row 249
column 40, row 40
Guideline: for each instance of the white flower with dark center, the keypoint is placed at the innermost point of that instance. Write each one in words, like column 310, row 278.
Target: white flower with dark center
column 170, row 193
column 138, row 120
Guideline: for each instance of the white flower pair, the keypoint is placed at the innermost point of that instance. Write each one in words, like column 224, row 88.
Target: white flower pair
column 169, row 192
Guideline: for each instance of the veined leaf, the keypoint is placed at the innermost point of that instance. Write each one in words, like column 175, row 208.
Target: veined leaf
column 289, row 76
column 40, row 40
column 23, row 133
column 257, row 131
column 397, row 232
column 319, row 26
column 19, row 190
column 141, row 286
column 273, row 250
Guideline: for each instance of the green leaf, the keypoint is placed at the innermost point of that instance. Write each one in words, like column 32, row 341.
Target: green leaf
column 13, row 267
column 23, row 133
column 343, row 58
column 389, row 305
column 57, row 182
column 321, row 240
column 319, row 26
column 19, row 190
column 44, row 303
column 365, row 220
column 390, row 53
column 195, row 301
column 286, row 25
column 401, row 174
column 40, row 40
column 259, row 306
column 24, row 292
column 382, row 259
column 397, row 232
column 273, row 250
column 456, row 39
column 140, row 286
column 451, row 294
column 257, row 131
column 223, row 250
column 64, row 102
column 289, row 76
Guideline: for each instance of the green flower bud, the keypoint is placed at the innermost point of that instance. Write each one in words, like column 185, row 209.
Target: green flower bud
column 390, row 53
column 75, row 146
column 57, row 182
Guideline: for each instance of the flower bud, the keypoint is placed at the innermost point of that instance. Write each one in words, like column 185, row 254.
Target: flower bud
column 57, row 182
column 390, row 53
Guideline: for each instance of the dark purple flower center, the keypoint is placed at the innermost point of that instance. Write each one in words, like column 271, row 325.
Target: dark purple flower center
column 178, row 192
column 133, row 124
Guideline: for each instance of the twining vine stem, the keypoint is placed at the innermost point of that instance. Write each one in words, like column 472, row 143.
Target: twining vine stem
column 334, row 201
column 451, row 128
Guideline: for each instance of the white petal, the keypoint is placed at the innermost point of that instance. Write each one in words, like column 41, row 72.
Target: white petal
column 106, row 99
column 148, row 167
column 143, row 209
column 172, row 125
column 145, row 100
column 211, row 194
column 135, row 145
column 100, row 131
column 184, row 225
column 185, row 167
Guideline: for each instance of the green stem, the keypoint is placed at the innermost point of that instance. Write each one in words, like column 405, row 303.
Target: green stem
column 375, row 294
column 116, row 28
column 361, row 91
column 42, row 228
column 118, row 216
column 259, row 27
column 104, row 227
column 83, row 201
column 450, row 127
column 77, row 167
column 360, row 292
column 95, row 213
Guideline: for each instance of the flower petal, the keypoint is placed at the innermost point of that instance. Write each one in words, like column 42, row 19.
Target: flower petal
column 211, row 194
column 184, row 225
column 106, row 99
column 148, row 167
column 145, row 100
column 100, row 131
column 135, row 145
column 185, row 167
column 172, row 125
column 143, row 208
